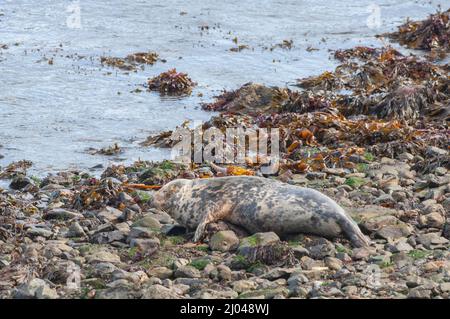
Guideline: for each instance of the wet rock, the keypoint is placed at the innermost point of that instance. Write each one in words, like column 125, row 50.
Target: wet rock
column 19, row 182
column 224, row 241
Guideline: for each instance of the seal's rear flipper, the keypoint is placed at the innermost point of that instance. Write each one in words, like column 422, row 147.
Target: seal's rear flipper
column 352, row 231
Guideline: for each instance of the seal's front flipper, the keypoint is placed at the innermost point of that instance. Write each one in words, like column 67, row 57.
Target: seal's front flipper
column 212, row 215
column 201, row 228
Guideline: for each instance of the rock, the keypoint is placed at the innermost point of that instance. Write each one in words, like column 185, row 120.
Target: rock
column 436, row 151
column 300, row 251
column 102, row 255
column 223, row 273
column 108, row 237
column 432, row 220
column 320, row 248
column 109, row 214
column 161, row 272
column 147, row 222
column 392, row 232
column 217, row 294
column 121, row 290
column 146, row 246
column 141, row 232
column 333, row 263
column 265, row 293
column 159, row 292
column 38, row 231
column 75, row 230
column 61, row 214
column 446, row 231
column 259, row 239
column 36, row 288
column 419, row 293
column 445, row 287
column 20, row 182
column 187, row 272
column 224, row 241
column 431, row 240
column 244, row 285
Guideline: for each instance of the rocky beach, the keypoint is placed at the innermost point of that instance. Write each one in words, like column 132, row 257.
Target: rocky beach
column 372, row 134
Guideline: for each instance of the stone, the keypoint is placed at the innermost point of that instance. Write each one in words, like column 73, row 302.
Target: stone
column 102, row 256
column 432, row 220
column 39, row 231
column 333, row 263
column 159, row 292
column 430, row 240
column 224, row 273
column 148, row 222
column 161, row 272
column 35, row 288
column 419, row 293
column 109, row 214
column 75, row 230
column 224, row 241
column 141, row 232
column 146, row 246
column 392, row 232
column 61, row 214
column 241, row 286
column 187, row 272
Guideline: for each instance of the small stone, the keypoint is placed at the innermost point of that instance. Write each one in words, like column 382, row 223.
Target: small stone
column 148, row 222
column 419, row 293
column 159, row 292
column 224, row 273
column 333, row 263
column 224, row 241
column 147, row 246
column 75, row 230
column 141, row 232
column 244, row 285
column 432, row 220
column 36, row 288
column 61, row 214
column 187, row 272
column 38, row 231
column 430, row 240
column 392, row 232
column 109, row 214
column 102, row 256
column 161, row 272
column 445, row 287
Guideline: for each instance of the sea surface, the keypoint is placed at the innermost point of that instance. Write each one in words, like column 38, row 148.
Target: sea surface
column 52, row 113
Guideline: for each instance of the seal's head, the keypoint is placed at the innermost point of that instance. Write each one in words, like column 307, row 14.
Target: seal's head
column 169, row 195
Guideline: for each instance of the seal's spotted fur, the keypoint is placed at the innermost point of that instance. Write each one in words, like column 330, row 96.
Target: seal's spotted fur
column 256, row 204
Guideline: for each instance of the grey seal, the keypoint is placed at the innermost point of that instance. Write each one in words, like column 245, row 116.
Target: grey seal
column 256, row 204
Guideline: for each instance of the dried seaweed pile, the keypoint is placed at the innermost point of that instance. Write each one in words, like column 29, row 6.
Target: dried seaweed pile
column 432, row 34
